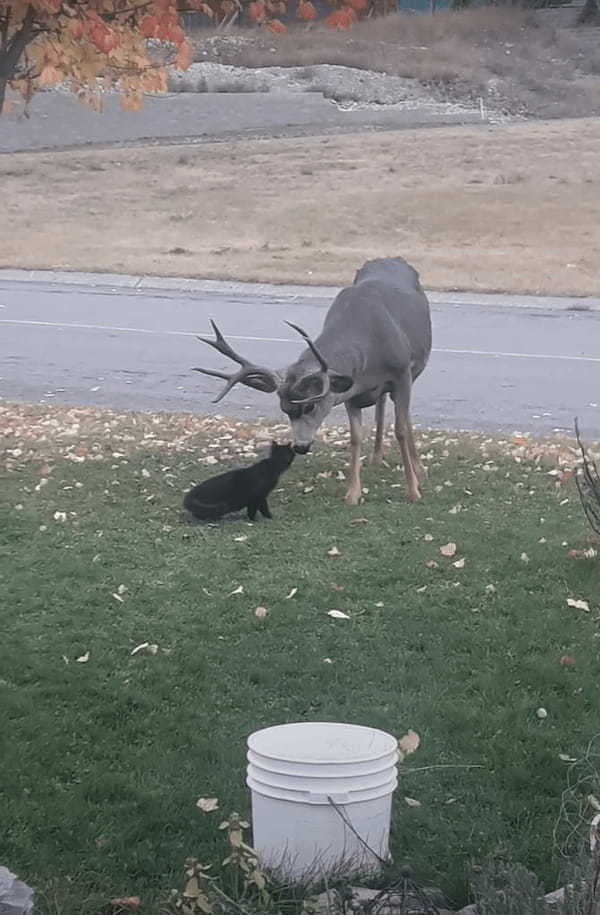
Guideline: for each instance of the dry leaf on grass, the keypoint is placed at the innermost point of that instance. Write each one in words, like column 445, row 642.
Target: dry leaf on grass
column 238, row 590
column 126, row 902
column 449, row 549
column 431, row 564
column 408, row 744
column 359, row 521
column 118, row 597
column 145, row 646
column 578, row 604
column 412, row 802
column 261, row 613
column 338, row 614
column 84, row 658
column 459, row 564
column 428, row 538
column 567, row 660
column 207, row 804
column 564, row 757
column 333, row 551
column 241, row 538
column 292, row 593
column 524, row 558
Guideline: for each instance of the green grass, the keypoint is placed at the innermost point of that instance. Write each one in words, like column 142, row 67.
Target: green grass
column 102, row 762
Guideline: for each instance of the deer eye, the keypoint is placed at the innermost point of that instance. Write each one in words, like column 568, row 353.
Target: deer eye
column 309, row 408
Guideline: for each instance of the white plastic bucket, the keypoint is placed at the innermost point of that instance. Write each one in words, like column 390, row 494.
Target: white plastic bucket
column 321, row 797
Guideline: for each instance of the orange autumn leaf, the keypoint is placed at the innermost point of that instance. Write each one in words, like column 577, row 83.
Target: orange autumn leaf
column 306, row 10
column 256, row 10
column 276, row 25
column 184, row 56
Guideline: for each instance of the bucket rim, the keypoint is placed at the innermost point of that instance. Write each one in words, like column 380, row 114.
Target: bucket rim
column 387, row 763
column 392, row 742
column 315, row 799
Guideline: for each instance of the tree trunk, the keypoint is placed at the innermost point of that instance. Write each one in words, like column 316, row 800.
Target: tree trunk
column 11, row 50
column 589, row 13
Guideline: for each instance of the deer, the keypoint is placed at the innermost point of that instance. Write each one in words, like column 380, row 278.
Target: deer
column 375, row 342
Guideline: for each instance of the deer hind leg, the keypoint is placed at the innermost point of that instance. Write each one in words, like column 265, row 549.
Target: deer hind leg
column 419, row 468
column 404, row 434
column 377, row 456
column 354, row 488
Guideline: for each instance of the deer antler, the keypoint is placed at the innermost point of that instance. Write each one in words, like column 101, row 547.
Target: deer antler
column 253, row 376
column 312, row 346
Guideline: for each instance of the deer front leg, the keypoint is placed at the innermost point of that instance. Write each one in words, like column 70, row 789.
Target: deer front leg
column 354, row 488
column 403, row 429
column 377, row 456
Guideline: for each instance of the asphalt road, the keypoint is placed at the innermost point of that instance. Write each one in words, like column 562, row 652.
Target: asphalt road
column 57, row 120
column 491, row 369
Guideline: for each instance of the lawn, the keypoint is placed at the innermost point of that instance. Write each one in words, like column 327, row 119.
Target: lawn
column 105, row 752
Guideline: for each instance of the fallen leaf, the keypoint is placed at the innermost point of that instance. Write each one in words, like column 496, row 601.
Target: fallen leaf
column 379, row 603
column 412, row 802
column 449, row 549
column 84, row 658
column 121, row 589
column 491, row 589
column 431, row 564
column 260, row 613
column 60, row 516
column 428, row 538
column 524, row 558
column 126, row 902
column 459, row 564
column 333, row 551
column 421, row 589
column 118, row 597
column 359, row 521
column 542, row 713
column 138, row 648
column 578, row 604
column 335, row 587
column 207, row 804
column 564, row 757
column 593, row 801
column 338, row 614
column 292, row 593
column 307, row 489
column 594, row 837
column 409, row 743
column 241, row 538
column 238, row 590
column 327, row 661
column 567, row 660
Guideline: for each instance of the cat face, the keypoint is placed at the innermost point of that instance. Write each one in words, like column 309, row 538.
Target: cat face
column 283, row 455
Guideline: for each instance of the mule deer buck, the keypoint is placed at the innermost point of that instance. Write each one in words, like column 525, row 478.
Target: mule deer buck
column 376, row 340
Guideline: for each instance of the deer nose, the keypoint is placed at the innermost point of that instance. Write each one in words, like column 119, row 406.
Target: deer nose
column 301, row 448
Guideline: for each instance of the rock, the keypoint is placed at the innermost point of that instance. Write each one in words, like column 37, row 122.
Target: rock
column 16, row 898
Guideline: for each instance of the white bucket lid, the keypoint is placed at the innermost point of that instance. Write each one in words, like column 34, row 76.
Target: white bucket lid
column 322, row 742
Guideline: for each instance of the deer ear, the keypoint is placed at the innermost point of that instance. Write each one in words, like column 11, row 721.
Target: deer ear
column 340, row 383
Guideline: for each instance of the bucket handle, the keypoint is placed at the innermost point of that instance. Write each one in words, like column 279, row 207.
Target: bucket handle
column 318, row 797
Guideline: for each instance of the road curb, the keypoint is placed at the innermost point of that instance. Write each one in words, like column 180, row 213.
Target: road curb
column 283, row 291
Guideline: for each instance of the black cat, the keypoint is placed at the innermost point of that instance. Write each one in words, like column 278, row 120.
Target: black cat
column 247, row 487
